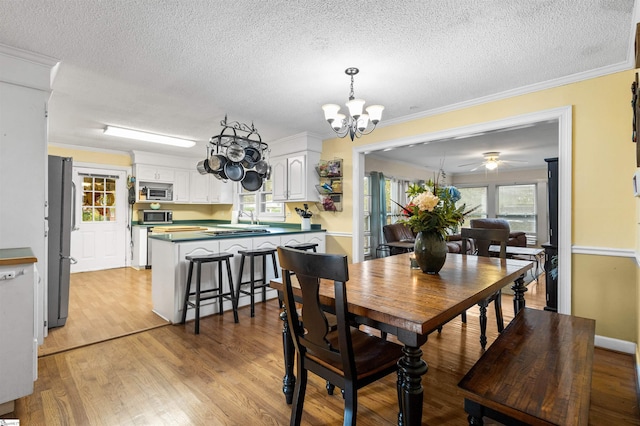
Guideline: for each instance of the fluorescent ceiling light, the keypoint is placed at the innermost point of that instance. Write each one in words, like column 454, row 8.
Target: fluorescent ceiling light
column 147, row 137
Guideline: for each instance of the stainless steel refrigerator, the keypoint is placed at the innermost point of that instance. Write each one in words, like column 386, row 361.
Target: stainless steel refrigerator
column 60, row 222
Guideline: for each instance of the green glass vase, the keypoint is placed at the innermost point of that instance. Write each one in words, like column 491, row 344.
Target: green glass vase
column 431, row 251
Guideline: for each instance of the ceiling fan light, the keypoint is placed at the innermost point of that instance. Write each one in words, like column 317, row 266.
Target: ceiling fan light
column 330, row 111
column 363, row 122
column 375, row 113
column 491, row 165
column 355, row 107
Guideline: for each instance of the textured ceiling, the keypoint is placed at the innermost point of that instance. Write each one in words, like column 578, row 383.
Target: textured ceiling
column 177, row 67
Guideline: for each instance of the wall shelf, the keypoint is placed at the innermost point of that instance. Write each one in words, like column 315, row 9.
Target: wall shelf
column 329, row 187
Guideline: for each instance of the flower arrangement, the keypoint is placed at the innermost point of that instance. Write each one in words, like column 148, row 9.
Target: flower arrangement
column 305, row 214
column 432, row 209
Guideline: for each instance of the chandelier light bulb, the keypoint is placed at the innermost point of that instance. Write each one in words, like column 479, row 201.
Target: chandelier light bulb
column 355, row 107
column 330, row 111
column 338, row 121
column 375, row 113
column 363, row 122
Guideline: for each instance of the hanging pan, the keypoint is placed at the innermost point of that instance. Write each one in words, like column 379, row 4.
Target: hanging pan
column 234, row 171
column 217, row 162
column 251, row 157
column 252, row 181
column 235, row 152
column 261, row 167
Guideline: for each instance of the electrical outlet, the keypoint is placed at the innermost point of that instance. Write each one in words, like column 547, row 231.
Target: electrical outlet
column 9, row 275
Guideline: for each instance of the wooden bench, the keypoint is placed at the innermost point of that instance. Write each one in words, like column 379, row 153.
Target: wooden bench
column 537, row 372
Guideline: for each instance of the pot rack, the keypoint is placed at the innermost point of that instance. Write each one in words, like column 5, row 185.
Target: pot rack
column 221, row 143
column 237, row 157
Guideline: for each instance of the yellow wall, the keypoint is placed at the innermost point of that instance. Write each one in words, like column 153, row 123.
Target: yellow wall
column 603, row 206
column 81, row 156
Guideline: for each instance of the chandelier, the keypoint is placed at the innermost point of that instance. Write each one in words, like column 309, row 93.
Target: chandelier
column 237, row 157
column 357, row 124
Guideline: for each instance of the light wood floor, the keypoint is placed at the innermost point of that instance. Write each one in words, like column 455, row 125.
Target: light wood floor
column 231, row 374
column 104, row 305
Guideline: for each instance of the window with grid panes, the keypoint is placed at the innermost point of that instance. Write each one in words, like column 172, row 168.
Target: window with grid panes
column 98, row 199
column 261, row 203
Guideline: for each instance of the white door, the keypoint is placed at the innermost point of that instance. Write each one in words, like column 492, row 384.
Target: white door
column 99, row 240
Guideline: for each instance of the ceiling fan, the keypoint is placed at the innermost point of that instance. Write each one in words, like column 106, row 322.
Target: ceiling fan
column 491, row 162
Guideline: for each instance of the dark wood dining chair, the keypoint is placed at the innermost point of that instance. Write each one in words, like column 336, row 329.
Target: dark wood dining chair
column 345, row 356
column 483, row 238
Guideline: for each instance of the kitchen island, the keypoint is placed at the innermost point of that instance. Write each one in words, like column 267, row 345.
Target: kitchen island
column 169, row 271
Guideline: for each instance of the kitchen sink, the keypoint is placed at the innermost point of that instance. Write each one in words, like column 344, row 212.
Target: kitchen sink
column 233, row 231
column 242, row 226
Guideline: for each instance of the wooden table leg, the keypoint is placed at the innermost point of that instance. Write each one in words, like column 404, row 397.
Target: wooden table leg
column 519, row 289
column 411, row 368
column 289, row 379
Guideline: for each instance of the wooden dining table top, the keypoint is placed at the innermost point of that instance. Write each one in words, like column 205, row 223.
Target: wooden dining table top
column 388, row 291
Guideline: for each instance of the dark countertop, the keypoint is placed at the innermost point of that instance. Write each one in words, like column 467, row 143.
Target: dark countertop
column 178, row 237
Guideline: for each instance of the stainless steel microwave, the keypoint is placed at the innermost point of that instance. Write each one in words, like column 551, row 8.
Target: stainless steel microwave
column 147, row 217
column 155, row 193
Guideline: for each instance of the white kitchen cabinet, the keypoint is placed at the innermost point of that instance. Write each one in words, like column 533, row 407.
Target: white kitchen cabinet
column 319, row 238
column 181, row 186
column 221, row 192
column 19, row 348
column 139, row 254
column 308, row 237
column 151, row 173
column 205, row 189
column 199, row 187
column 294, row 177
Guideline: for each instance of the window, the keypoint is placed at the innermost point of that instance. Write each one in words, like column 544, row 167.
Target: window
column 260, row 203
column 395, row 190
column 472, row 197
column 517, row 204
column 98, row 199
column 367, row 216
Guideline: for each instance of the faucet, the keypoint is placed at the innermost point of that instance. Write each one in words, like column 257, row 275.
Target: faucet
column 249, row 214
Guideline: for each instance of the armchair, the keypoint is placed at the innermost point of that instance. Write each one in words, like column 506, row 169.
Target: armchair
column 397, row 232
column 518, row 239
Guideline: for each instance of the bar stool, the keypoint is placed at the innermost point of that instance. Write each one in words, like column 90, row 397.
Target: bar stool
column 212, row 293
column 255, row 283
column 303, row 246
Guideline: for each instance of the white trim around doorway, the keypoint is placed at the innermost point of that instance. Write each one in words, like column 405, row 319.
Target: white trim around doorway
column 564, row 117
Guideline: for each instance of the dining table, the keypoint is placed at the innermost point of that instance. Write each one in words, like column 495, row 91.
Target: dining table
column 389, row 295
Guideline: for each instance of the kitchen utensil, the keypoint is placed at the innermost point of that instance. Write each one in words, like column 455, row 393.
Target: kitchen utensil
column 234, row 171
column 217, row 162
column 235, row 153
column 202, row 169
column 252, row 181
column 251, row 157
column 261, row 167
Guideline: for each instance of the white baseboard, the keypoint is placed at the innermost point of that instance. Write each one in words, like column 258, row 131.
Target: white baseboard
column 616, row 345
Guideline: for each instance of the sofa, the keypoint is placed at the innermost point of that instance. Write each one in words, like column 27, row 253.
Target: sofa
column 401, row 232
column 518, row 239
